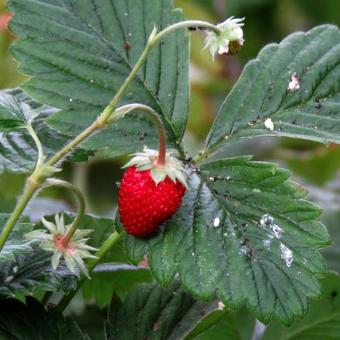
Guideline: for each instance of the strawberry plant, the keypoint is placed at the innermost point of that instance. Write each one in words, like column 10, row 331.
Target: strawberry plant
column 201, row 245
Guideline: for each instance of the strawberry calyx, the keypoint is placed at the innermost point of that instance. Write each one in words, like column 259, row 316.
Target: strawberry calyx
column 149, row 160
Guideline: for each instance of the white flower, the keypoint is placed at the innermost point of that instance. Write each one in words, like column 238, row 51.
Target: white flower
column 229, row 40
column 73, row 252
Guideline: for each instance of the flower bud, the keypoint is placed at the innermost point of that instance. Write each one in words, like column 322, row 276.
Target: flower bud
column 229, row 40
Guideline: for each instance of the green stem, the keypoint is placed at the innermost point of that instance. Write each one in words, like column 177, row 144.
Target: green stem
column 106, row 246
column 124, row 110
column 32, row 184
column 36, row 139
column 186, row 24
column 31, row 187
column 115, row 101
column 81, row 200
column 201, row 156
column 73, row 144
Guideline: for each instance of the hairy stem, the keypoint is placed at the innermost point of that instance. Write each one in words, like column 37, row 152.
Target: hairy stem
column 186, row 24
column 81, row 201
column 37, row 142
column 73, row 144
column 156, row 119
column 106, row 246
column 30, row 189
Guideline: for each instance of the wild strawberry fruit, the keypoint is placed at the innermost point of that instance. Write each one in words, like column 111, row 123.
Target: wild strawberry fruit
column 150, row 193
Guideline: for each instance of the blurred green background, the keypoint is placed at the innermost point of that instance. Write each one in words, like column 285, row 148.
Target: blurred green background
column 313, row 165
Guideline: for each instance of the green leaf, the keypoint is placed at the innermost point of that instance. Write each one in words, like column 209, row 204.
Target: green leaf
column 17, row 149
column 78, row 53
column 311, row 112
column 245, row 234
column 31, row 271
column 116, row 279
column 152, row 312
column 25, row 268
column 16, row 245
column 14, row 114
column 31, row 321
column 221, row 325
column 322, row 320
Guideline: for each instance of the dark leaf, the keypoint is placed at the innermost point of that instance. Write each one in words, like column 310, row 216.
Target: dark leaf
column 151, row 312
column 78, row 53
column 30, row 321
column 243, row 233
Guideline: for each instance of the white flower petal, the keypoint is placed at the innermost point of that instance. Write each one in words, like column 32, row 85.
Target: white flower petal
column 56, row 259
column 59, row 220
column 81, row 233
column 71, row 264
column 81, row 265
column 51, row 227
column 38, row 235
column 86, row 247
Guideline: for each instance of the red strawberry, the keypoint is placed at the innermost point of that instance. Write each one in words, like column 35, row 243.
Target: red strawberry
column 149, row 194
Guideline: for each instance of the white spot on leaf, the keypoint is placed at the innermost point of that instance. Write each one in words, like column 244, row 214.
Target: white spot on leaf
column 267, row 243
column 244, row 250
column 216, row 222
column 268, row 123
column 277, row 231
column 294, row 84
column 267, row 222
column 286, row 255
column 220, row 305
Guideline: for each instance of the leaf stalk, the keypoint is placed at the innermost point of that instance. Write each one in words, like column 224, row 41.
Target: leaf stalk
column 156, row 119
column 81, row 201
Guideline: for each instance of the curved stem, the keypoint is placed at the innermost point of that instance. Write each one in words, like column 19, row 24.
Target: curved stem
column 36, row 139
column 81, row 200
column 186, row 24
column 106, row 246
column 124, row 110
